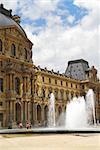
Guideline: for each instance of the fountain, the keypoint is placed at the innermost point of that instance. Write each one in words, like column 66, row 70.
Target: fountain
column 76, row 115
column 90, row 106
column 80, row 112
column 51, row 112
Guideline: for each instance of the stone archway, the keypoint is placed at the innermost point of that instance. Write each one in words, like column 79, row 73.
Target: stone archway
column 18, row 112
column 46, row 115
column 59, row 110
column 39, row 113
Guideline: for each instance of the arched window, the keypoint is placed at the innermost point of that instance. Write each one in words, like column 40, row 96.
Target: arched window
column 39, row 113
column 1, row 85
column 18, row 112
column 13, row 50
column 0, row 45
column 17, row 85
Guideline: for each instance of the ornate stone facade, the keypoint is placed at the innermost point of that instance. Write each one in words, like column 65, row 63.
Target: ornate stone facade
column 15, row 73
column 24, row 88
column 64, row 88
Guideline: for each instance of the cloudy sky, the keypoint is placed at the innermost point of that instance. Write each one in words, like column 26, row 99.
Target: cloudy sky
column 61, row 30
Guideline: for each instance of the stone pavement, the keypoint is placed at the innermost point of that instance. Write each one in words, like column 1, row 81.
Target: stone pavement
column 51, row 142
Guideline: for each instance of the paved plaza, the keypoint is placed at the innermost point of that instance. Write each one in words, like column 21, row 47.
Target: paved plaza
column 50, row 142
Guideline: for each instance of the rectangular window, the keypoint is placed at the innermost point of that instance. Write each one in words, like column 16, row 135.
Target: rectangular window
column 43, row 79
column 1, row 103
column 55, row 81
column 0, row 63
column 1, row 85
column 83, row 87
column 71, row 85
column 49, row 80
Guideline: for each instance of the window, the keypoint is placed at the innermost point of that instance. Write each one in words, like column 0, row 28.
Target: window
column 83, row 87
column 66, row 84
column 0, row 45
column 1, row 103
column 67, row 95
column 49, row 92
column 61, row 83
column 49, row 80
column 17, row 85
column 55, row 81
column 13, row 50
column 1, row 85
column 71, row 85
column 0, row 63
column 72, row 94
column 43, row 79
column 43, row 93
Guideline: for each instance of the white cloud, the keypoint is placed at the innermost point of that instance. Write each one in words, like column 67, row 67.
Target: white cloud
column 55, row 44
column 70, row 18
column 10, row 4
column 37, row 8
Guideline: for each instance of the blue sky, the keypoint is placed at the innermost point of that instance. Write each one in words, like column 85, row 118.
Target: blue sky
column 65, row 7
column 61, row 30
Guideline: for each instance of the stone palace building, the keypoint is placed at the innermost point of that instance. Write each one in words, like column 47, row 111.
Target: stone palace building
column 25, row 88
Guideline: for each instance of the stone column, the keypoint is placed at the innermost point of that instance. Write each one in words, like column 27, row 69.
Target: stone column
column 58, row 94
column 26, row 84
column 69, row 96
column 29, row 110
column 46, row 93
column 11, row 111
column 7, row 112
column 23, row 105
column 42, row 114
column 25, row 111
column 65, row 98
column 7, row 82
column 35, row 114
column 39, row 91
column 23, row 86
column 14, row 111
column 22, row 112
column 31, row 113
column 11, row 82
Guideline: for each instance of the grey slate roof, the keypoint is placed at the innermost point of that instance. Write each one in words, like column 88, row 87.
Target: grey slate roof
column 6, row 20
column 77, row 69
